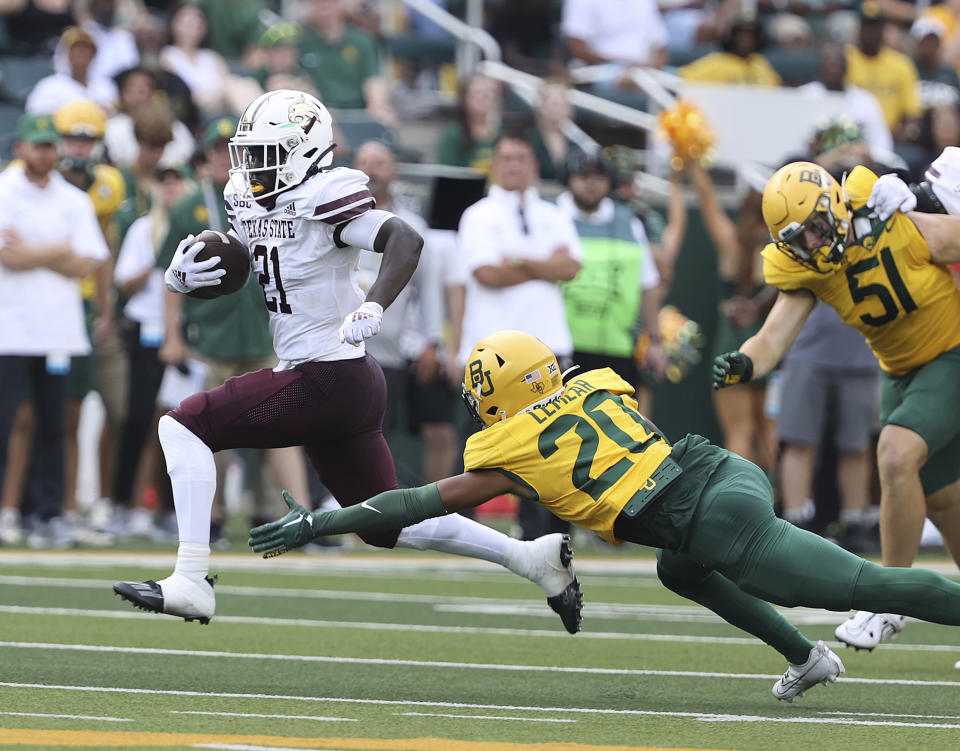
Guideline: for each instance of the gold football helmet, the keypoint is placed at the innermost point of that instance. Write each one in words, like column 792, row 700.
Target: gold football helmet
column 80, row 117
column 804, row 210
column 507, row 373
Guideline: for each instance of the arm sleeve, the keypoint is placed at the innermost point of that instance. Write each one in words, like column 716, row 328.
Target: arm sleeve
column 576, row 20
column 393, row 509
column 362, row 232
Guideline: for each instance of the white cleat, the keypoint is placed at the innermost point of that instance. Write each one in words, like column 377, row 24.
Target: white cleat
column 549, row 565
column 177, row 595
column 865, row 630
column 822, row 666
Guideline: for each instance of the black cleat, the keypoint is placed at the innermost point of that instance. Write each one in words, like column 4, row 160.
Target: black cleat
column 568, row 603
column 148, row 596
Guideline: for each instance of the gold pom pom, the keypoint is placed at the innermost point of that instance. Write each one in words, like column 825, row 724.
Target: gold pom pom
column 685, row 127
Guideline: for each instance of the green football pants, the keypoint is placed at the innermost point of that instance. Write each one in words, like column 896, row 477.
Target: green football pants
column 740, row 557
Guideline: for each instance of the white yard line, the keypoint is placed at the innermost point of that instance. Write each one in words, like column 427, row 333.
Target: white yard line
column 67, row 716
column 700, row 716
column 480, row 717
column 313, row 718
column 744, row 641
column 327, row 659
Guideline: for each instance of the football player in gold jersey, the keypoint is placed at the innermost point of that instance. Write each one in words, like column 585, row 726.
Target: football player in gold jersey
column 887, row 279
column 582, row 450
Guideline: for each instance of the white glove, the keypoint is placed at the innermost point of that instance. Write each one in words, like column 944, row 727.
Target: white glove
column 891, row 194
column 362, row 323
column 186, row 274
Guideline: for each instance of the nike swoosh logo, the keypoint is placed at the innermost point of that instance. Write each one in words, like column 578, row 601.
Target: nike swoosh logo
column 371, row 508
column 294, row 521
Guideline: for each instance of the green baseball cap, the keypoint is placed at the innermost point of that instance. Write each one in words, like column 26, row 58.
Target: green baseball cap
column 36, row 129
column 280, row 33
column 219, row 129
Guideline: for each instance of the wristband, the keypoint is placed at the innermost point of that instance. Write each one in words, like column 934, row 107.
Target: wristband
column 747, row 368
column 927, row 201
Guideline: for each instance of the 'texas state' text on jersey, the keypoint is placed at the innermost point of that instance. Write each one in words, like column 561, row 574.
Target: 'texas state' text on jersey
column 584, row 456
column 309, row 280
column 886, row 286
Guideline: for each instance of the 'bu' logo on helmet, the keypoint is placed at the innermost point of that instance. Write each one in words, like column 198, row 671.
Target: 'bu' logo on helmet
column 811, row 176
column 304, row 114
column 477, row 377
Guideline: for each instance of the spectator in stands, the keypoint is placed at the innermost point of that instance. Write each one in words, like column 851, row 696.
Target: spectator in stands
column 409, row 346
column 231, row 333
column 939, row 83
column 48, row 226
column 149, row 31
column 34, row 26
column 688, row 23
column 344, row 62
column 187, row 55
column 616, row 291
column 886, row 73
column 74, row 78
column 859, row 105
column 526, row 31
column 665, row 233
column 137, row 87
column 623, row 34
column 281, row 69
column 745, row 302
column 116, row 50
column 235, row 26
column 515, row 249
column 739, row 61
column 790, row 31
column 551, row 144
column 939, row 128
column 153, row 130
column 140, row 283
column 468, row 142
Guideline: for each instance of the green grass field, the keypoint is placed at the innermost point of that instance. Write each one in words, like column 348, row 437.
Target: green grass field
column 430, row 653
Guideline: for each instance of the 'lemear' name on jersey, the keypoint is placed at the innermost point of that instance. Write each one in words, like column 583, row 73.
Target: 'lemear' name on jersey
column 279, row 229
column 574, row 390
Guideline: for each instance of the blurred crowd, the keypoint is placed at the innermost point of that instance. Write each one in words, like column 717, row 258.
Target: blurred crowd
column 136, row 110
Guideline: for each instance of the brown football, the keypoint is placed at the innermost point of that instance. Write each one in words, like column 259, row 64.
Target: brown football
column 234, row 257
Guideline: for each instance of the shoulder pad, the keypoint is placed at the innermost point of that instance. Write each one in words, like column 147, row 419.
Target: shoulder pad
column 341, row 194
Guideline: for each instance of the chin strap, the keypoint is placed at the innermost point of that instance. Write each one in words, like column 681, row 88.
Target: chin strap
column 315, row 168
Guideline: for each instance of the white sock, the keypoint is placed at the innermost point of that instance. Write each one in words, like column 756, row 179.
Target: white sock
column 457, row 535
column 193, row 560
column 193, row 476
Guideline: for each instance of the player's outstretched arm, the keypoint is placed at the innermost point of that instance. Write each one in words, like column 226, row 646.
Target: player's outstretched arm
column 942, row 233
column 393, row 509
column 762, row 351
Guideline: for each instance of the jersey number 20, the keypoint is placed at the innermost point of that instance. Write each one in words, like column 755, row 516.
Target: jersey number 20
column 590, row 441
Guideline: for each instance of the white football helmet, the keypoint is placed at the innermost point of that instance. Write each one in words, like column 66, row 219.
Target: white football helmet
column 283, row 137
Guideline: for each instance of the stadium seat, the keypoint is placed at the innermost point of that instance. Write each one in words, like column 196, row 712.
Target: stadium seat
column 795, row 66
column 18, row 75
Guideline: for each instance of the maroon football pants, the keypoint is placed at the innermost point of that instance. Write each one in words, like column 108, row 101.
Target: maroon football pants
column 333, row 409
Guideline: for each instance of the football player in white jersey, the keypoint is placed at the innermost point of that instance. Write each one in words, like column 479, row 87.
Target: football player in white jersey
column 305, row 225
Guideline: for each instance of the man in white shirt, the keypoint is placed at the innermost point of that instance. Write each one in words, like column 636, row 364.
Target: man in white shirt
column 74, row 79
column 620, row 32
column 515, row 248
column 858, row 104
column 116, row 47
column 49, row 238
